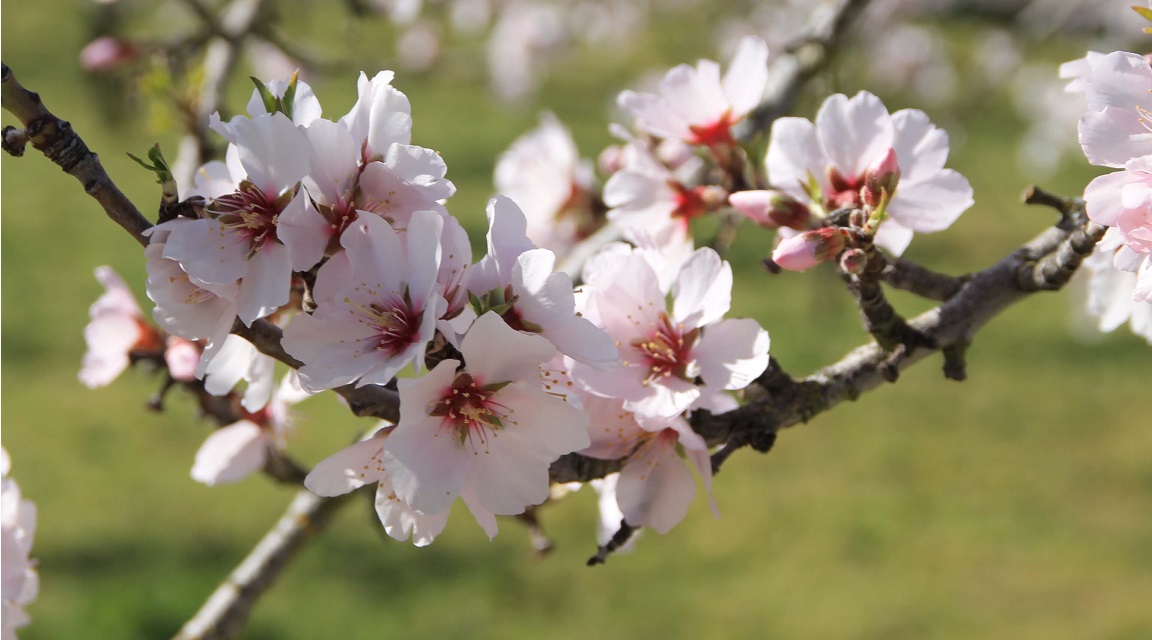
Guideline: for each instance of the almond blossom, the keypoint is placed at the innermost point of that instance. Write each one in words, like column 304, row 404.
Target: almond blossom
column 831, row 157
column 377, row 305
column 518, row 278
column 1116, row 127
column 116, row 330
column 234, row 451
column 1116, row 294
column 669, row 356
column 543, row 173
column 487, row 432
column 1123, row 200
column 650, row 203
column 362, row 464
column 695, row 105
column 263, row 230
column 17, row 528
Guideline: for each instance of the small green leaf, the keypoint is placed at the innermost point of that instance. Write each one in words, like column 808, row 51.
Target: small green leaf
column 270, row 102
column 1144, row 12
column 289, row 99
column 159, row 165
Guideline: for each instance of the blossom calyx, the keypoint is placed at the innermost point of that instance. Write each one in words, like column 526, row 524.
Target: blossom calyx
column 804, row 251
column 772, row 209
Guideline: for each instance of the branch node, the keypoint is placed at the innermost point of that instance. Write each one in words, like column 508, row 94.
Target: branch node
column 956, row 361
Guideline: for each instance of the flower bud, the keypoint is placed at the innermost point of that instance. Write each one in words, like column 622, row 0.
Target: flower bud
column 772, row 209
column 880, row 178
column 806, row 250
column 853, row 261
column 106, row 54
column 611, row 159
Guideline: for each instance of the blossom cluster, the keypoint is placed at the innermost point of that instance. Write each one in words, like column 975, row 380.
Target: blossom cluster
column 339, row 232
column 17, row 527
column 1116, row 132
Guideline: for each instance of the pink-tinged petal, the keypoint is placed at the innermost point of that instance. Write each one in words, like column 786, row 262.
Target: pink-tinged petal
column 273, row 151
column 334, row 162
column 229, row 366
column 732, row 353
column 401, row 521
column 546, row 299
column 230, row 454
column 336, row 347
column 931, row 205
column 421, row 167
column 853, row 131
column 267, row 285
column 921, row 147
column 670, row 398
column 348, row 469
column 696, row 452
column 212, row 180
column 507, row 233
column 1119, row 79
column 261, row 378
column 655, row 488
column 698, row 96
column 613, row 430
column 703, row 290
column 304, row 232
column 207, row 252
column 426, row 462
column 497, row 353
column 109, row 338
column 1103, row 196
column 630, row 188
column 182, row 357
column 894, row 237
column 1112, row 137
column 117, row 297
column 547, row 427
column 747, row 76
column 794, row 155
column 423, row 249
column 654, row 112
column 485, row 518
column 508, row 476
column 305, row 107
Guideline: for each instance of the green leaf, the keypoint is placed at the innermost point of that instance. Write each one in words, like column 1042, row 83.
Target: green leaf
column 1144, row 12
column 159, row 165
column 271, row 104
column 289, row 99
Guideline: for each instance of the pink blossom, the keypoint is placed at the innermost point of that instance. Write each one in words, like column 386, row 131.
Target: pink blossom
column 377, row 305
column 655, row 487
column 1116, row 127
column 695, row 105
column 1123, row 199
column 663, row 352
column 106, row 54
column 17, row 528
column 182, row 358
column 235, row 451
column 115, row 331
column 265, row 229
column 519, row 278
column 543, row 173
column 487, row 433
column 381, row 117
column 362, row 464
column 647, row 199
column 239, row 360
column 850, row 135
column 771, row 209
column 1115, row 292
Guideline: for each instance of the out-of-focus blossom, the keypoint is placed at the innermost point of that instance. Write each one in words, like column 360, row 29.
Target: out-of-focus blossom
column 20, row 581
column 543, row 173
column 418, row 47
column 106, row 54
column 233, row 452
column 1116, row 127
column 517, row 46
column 115, row 331
column 1114, row 288
column 698, row 107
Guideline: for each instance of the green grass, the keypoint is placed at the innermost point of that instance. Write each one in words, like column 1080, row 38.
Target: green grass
column 1013, row 505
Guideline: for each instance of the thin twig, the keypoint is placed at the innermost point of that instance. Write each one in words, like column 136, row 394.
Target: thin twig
column 226, row 611
column 922, row 281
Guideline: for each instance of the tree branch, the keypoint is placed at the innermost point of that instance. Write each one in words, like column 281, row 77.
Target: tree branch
column 59, row 143
column 226, row 611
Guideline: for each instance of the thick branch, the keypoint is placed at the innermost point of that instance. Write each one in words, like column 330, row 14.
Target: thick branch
column 910, row 276
column 226, row 610
column 60, row 144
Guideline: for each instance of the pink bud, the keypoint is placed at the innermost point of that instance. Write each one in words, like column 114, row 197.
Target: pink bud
column 611, row 159
column 880, row 178
column 106, row 54
column 804, row 251
column 771, row 209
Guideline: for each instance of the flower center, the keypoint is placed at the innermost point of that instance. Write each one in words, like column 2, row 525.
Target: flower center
column 395, row 319
column 689, row 202
column 470, row 411
column 252, row 213
column 715, row 133
column 843, row 192
column 667, row 350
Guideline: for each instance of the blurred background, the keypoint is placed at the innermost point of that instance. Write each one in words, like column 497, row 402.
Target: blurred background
column 1016, row 504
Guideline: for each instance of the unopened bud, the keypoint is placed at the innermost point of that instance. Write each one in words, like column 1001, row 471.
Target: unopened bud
column 806, row 250
column 107, row 54
column 611, row 159
column 772, row 209
column 853, row 261
column 880, row 178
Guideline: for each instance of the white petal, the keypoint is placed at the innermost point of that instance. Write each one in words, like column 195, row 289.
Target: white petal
column 230, row 454
column 853, row 132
